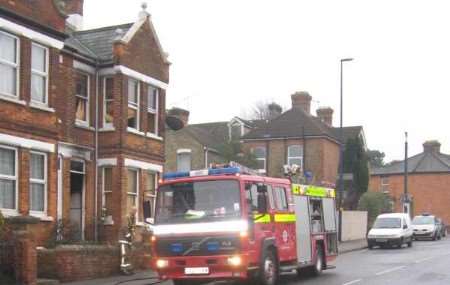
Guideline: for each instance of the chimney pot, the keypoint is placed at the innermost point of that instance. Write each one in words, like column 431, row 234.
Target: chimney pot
column 74, row 11
column 301, row 100
column 432, row 146
column 325, row 114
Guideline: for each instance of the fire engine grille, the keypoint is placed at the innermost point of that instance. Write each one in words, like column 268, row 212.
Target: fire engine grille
column 197, row 246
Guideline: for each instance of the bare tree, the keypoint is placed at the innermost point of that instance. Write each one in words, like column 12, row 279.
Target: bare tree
column 266, row 111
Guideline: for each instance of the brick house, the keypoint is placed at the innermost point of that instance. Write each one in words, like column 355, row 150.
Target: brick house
column 81, row 122
column 274, row 142
column 428, row 181
column 298, row 137
column 197, row 146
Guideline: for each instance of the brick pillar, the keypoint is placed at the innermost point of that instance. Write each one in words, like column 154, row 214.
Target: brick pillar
column 24, row 181
column 25, row 255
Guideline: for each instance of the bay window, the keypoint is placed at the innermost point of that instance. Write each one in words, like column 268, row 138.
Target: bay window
column 108, row 99
column 82, row 97
column 8, row 179
column 39, row 74
column 132, row 191
column 38, row 183
column 133, row 104
column 152, row 112
column 9, row 64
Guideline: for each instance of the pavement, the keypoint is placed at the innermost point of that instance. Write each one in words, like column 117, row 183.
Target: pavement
column 352, row 245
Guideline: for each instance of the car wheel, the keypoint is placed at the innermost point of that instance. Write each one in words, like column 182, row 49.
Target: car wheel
column 410, row 242
column 318, row 264
column 268, row 274
column 370, row 246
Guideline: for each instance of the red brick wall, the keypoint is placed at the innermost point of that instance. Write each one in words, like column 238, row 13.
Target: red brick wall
column 42, row 11
column 431, row 192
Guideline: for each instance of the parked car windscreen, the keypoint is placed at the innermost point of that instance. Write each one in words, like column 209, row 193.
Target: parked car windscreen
column 200, row 201
column 423, row 220
column 387, row 223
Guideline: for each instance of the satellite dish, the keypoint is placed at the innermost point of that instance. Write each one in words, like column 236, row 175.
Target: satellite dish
column 174, row 122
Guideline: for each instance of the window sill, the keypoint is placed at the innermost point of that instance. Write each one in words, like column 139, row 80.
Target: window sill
column 153, row 136
column 107, row 129
column 108, row 223
column 84, row 126
column 136, row 132
column 9, row 213
column 41, row 107
column 12, row 99
column 42, row 217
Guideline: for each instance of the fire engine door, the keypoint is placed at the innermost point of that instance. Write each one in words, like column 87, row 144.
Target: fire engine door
column 284, row 219
column 329, row 215
column 303, row 229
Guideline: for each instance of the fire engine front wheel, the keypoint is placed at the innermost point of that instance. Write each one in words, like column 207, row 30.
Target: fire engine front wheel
column 268, row 273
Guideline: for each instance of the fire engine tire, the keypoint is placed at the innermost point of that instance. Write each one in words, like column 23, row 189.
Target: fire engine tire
column 318, row 263
column 269, row 271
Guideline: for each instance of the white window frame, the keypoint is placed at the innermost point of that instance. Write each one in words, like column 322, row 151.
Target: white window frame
column 135, row 106
column 88, row 86
column 15, row 65
column 105, row 101
column 152, row 196
column 104, row 191
column 383, row 183
column 83, row 193
column 295, row 157
column 40, row 73
column 181, row 152
column 154, row 111
column 12, row 212
column 261, row 159
column 42, row 182
column 132, row 193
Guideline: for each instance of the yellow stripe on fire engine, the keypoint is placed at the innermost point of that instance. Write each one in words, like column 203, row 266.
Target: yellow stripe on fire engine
column 261, row 219
column 285, row 218
column 314, row 191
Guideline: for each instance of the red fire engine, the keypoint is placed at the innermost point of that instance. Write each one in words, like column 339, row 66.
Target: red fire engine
column 225, row 223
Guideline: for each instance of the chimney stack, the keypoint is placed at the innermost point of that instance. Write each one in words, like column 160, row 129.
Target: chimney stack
column 325, row 114
column 301, row 100
column 182, row 114
column 74, row 11
column 432, row 146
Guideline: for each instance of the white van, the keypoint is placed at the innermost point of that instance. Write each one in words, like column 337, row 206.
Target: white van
column 391, row 229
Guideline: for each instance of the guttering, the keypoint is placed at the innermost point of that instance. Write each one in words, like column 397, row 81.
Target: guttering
column 291, row 138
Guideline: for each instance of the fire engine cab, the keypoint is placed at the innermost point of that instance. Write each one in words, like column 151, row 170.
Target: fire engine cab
column 228, row 223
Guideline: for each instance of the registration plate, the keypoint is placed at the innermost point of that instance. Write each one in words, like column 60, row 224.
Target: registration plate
column 196, row 270
column 381, row 240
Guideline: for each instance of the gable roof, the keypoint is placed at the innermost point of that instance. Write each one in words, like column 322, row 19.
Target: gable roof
column 425, row 162
column 98, row 43
column 290, row 124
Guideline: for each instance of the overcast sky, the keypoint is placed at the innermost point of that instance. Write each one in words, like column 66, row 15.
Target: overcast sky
column 228, row 54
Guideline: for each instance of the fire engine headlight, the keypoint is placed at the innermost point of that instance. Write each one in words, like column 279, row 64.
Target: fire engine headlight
column 162, row 263
column 235, row 261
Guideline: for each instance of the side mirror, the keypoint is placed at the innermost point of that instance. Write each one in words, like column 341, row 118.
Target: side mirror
column 405, row 227
column 147, row 207
column 262, row 203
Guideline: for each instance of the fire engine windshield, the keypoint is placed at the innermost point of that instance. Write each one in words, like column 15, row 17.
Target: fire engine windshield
column 199, row 201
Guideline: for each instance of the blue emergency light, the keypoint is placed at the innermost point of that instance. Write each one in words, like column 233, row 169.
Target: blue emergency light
column 203, row 172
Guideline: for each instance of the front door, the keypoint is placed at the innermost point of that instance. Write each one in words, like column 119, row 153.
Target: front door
column 77, row 174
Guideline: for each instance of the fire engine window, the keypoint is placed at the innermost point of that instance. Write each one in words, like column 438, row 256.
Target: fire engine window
column 281, row 201
column 316, row 216
column 270, row 193
column 251, row 194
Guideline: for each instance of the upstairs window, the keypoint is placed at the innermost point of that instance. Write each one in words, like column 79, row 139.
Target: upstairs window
column 295, row 155
column 9, row 64
column 8, row 179
column 385, row 184
column 38, row 183
column 152, row 115
column 82, row 98
column 183, row 160
column 39, row 74
column 133, row 104
column 260, row 155
column 108, row 100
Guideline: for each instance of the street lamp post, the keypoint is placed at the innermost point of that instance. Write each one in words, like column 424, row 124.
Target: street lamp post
column 406, row 200
column 341, row 148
